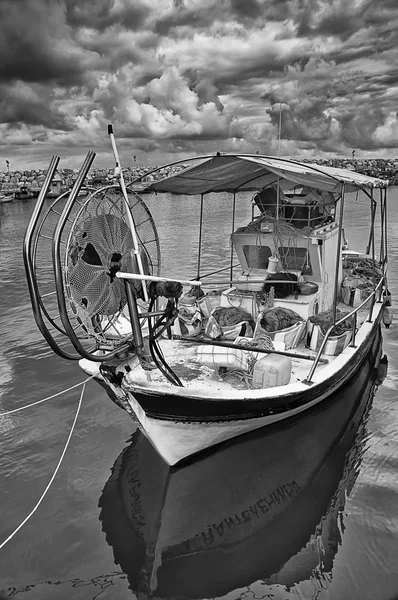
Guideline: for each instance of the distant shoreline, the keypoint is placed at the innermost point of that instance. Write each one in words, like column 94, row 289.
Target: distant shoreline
column 10, row 181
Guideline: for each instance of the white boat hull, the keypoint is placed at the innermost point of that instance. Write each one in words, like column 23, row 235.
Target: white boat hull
column 178, row 438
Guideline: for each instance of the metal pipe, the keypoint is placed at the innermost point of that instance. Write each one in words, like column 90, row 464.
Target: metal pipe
column 130, row 219
column 200, row 235
column 29, row 268
column 58, row 275
column 372, row 238
column 136, row 276
column 338, row 256
column 381, row 228
column 372, row 222
column 249, row 348
column 354, row 330
column 232, row 245
column 264, row 280
column 385, row 228
column 134, row 319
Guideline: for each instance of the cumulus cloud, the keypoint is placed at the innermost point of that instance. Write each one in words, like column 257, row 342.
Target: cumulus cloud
column 36, row 45
column 102, row 14
column 170, row 108
column 177, row 76
column 31, row 104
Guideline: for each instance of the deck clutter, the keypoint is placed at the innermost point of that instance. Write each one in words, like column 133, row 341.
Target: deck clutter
column 198, row 361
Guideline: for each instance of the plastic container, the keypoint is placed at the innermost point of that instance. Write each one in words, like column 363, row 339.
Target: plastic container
column 215, row 356
column 248, row 276
column 271, row 371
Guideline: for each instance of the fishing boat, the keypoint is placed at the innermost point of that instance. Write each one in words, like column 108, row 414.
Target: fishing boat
column 25, row 192
column 194, row 366
column 266, row 508
column 56, row 188
column 7, row 197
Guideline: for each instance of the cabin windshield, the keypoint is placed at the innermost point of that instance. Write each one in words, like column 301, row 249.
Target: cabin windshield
column 256, row 256
column 294, row 259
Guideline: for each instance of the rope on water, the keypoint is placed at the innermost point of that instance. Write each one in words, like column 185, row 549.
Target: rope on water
column 9, row 412
column 54, row 474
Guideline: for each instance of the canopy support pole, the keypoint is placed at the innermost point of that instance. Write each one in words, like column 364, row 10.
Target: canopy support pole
column 385, row 230
column 381, row 227
column 338, row 255
column 200, row 236
column 231, row 268
column 372, row 243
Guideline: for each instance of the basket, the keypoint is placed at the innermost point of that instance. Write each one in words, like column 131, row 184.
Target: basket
column 354, row 296
column 246, row 300
column 207, row 303
column 335, row 344
column 290, row 336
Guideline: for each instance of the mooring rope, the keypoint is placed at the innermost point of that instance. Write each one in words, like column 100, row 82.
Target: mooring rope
column 54, row 474
column 9, row 412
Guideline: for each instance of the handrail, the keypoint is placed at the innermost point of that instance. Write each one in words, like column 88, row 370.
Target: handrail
column 345, row 318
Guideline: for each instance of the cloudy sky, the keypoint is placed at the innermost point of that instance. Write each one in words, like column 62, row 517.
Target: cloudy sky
column 187, row 77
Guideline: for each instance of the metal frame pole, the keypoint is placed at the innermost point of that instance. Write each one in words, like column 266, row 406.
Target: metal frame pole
column 119, row 174
column 200, row 235
column 232, row 245
column 338, row 255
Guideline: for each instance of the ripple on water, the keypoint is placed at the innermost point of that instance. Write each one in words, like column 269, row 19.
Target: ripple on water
column 6, row 377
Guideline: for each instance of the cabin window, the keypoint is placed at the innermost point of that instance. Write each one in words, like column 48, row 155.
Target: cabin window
column 257, row 256
column 294, row 259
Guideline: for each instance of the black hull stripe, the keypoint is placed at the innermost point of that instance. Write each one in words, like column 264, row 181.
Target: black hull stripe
column 184, row 409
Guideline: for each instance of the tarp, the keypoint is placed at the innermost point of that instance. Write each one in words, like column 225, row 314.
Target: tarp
column 238, row 173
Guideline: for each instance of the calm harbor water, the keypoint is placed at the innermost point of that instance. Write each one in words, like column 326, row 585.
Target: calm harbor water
column 304, row 510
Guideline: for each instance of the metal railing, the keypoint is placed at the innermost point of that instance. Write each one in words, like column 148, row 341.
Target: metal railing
column 353, row 313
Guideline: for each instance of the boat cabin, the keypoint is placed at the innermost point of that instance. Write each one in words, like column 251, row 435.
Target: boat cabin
column 56, row 188
column 297, row 235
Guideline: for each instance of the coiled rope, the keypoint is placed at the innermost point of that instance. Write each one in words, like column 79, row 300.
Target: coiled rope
column 60, row 460
column 243, row 379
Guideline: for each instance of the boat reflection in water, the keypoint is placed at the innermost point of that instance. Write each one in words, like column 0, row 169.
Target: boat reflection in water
column 267, row 506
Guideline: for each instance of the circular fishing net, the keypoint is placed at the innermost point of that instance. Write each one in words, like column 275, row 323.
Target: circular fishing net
column 100, row 244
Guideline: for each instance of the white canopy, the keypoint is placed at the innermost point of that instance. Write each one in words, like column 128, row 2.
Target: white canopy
column 236, row 173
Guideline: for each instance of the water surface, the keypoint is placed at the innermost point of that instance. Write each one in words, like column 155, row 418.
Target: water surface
column 335, row 540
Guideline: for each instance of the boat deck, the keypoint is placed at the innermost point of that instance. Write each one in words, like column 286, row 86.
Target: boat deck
column 181, row 356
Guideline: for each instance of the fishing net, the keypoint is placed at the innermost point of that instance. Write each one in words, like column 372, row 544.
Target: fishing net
column 325, row 320
column 99, row 245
